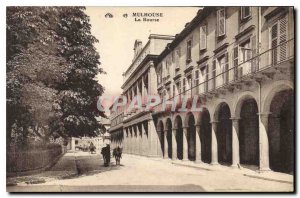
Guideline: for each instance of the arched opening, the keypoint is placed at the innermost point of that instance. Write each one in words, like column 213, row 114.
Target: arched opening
column 169, row 137
column 205, row 136
column 249, row 133
column 224, row 134
column 179, row 137
column 191, row 138
column 281, row 132
column 160, row 133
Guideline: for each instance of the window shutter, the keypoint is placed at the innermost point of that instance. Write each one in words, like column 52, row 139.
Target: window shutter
column 283, row 38
column 206, row 77
column 245, row 12
column 174, row 90
column 235, row 61
column 202, row 37
column 226, row 68
column 274, row 41
column 214, row 74
column 184, row 85
column 221, row 22
column 196, row 78
column 241, row 13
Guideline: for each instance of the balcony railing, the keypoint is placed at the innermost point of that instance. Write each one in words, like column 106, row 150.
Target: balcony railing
column 272, row 58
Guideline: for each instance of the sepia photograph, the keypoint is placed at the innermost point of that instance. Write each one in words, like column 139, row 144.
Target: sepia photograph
column 150, row 99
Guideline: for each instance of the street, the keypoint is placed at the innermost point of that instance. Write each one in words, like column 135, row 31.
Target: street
column 141, row 174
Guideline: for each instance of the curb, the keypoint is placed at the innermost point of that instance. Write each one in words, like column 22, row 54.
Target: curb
column 268, row 179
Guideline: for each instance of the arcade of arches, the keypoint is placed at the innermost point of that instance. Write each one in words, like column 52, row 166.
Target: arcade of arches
column 245, row 137
column 230, row 140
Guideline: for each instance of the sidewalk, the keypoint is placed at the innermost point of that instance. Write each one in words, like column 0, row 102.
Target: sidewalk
column 137, row 173
column 63, row 169
column 243, row 170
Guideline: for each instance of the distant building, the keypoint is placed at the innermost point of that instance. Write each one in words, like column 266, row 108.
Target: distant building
column 105, row 122
column 98, row 141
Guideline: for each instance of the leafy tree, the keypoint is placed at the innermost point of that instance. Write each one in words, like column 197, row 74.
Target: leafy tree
column 81, row 90
column 51, row 66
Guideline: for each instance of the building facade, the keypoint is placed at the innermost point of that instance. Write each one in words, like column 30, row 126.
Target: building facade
column 135, row 130
column 239, row 61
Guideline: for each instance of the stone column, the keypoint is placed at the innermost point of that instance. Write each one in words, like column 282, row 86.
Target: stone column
column 143, row 91
column 235, row 143
column 72, row 144
column 198, row 144
column 185, row 144
column 140, row 135
column 152, row 79
column 154, row 144
column 135, row 136
column 263, row 142
column 214, row 143
column 130, row 140
column 124, row 146
column 165, row 144
column 174, row 144
column 143, row 140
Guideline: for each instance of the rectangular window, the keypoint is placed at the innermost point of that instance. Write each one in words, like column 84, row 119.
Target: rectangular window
column 235, row 61
column 203, row 37
column 245, row 51
column 206, row 78
column 168, row 67
column 174, row 90
column 221, row 25
column 279, row 36
column 159, row 75
column 214, row 74
column 196, row 81
column 168, row 92
column 184, row 85
column 220, row 70
column 177, row 57
column 178, row 84
column 189, row 50
column 245, row 12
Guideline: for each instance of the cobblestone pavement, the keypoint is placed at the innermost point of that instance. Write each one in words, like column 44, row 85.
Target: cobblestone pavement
column 150, row 174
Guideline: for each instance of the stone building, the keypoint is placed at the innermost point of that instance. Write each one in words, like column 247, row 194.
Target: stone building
column 139, row 79
column 239, row 61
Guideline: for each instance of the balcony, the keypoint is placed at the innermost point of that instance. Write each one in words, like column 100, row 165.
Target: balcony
column 263, row 65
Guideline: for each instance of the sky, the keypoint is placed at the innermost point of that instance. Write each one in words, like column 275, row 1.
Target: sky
column 117, row 35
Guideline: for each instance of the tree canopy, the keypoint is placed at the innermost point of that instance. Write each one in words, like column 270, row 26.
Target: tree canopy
column 51, row 68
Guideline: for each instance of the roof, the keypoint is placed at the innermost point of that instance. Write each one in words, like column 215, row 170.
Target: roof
column 104, row 121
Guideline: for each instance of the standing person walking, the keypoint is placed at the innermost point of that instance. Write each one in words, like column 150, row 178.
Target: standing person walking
column 107, row 154
column 103, row 152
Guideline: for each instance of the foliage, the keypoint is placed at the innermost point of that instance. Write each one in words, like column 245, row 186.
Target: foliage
column 51, row 66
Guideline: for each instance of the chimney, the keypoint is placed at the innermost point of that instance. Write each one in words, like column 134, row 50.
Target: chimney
column 137, row 47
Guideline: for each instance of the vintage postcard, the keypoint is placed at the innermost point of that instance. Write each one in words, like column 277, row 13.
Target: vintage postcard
column 150, row 99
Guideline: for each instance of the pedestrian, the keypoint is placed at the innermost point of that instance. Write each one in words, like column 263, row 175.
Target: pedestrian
column 107, row 154
column 92, row 148
column 103, row 152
